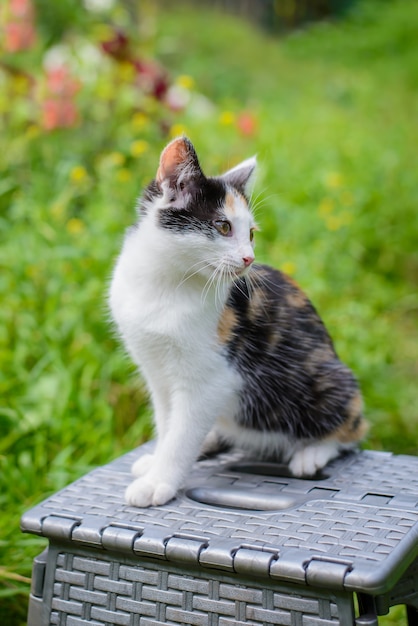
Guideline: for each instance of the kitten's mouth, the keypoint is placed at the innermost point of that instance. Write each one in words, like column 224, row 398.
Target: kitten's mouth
column 242, row 271
column 234, row 272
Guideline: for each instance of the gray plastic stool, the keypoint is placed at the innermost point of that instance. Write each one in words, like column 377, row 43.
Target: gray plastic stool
column 242, row 544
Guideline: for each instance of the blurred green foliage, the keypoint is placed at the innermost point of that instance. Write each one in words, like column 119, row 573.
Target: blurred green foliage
column 54, row 19
column 331, row 112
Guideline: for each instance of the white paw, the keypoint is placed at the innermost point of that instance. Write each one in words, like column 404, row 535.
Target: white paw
column 211, row 444
column 143, row 493
column 142, row 465
column 309, row 460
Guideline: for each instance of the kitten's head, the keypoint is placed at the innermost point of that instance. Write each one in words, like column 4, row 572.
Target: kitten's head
column 206, row 222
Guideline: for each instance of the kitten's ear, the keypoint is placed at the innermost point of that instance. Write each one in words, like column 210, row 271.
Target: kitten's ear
column 178, row 163
column 241, row 175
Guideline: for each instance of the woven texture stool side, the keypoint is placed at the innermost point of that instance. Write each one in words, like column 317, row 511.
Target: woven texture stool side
column 88, row 588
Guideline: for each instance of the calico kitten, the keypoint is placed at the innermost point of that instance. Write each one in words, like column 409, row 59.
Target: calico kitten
column 232, row 352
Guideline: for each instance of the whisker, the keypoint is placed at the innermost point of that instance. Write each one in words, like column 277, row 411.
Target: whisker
column 237, row 279
column 201, row 265
column 208, row 284
column 260, row 200
column 218, row 299
column 263, row 280
column 259, row 193
column 251, row 284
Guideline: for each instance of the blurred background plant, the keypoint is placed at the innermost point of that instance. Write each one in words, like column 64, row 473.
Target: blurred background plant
column 89, row 94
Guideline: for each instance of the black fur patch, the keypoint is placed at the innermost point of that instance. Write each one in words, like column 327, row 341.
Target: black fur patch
column 192, row 208
column 195, row 207
column 294, row 384
column 150, row 193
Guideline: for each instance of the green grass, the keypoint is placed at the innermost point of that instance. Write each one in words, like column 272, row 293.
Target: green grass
column 336, row 115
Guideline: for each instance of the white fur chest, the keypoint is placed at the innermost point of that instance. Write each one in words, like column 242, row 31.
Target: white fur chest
column 147, row 315
column 160, row 318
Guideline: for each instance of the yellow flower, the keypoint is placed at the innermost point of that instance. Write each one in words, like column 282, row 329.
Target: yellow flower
column 116, row 158
column 333, row 180
column 185, row 81
column 20, row 84
column 177, row 129
column 126, row 72
column 139, row 147
column 227, row 118
column 123, row 175
column 105, row 91
column 288, row 267
column 32, row 131
column 78, row 174
column 75, row 226
column 326, row 206
column 334, row 222
column 139, row 120
column 102, row 32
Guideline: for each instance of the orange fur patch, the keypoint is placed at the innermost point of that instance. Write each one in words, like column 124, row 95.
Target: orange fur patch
column 318, row 356
column 274, row 338
column 230, row 208
column 231, row 199
column 226, row 325
column 256, row 306
column 296, row 299
column 355, row 427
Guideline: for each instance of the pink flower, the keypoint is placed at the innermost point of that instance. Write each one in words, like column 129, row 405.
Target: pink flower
column 19, row 31
column 59, row 109
column 58, row 114
column 21, row 8
column 18, row 36
column 247, row 123
column 60, row 82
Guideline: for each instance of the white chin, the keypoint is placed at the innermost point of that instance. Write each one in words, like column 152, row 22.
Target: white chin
column 242, row 271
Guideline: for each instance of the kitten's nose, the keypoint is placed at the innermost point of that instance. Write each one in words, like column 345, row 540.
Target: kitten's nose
column 248, row 260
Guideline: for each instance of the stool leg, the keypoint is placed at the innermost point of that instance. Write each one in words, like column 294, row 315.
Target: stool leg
column 367, row 620
column 412, row 615
column 367, row 610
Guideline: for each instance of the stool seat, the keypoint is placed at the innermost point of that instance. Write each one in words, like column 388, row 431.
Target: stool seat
column 242, row 543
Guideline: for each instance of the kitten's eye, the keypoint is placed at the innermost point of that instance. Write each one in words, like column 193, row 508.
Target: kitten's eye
column 223, row 227
column 252, row 233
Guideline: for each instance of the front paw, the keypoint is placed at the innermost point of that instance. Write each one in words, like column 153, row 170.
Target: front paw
column 144, row 493
column 305, row 462
column 309, row 460
column 142, row 465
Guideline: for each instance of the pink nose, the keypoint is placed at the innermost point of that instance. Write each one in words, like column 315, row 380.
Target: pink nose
column 248, row 260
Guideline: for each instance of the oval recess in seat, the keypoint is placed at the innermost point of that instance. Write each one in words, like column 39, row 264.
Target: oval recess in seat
column 240, row 498
column 265, row 468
